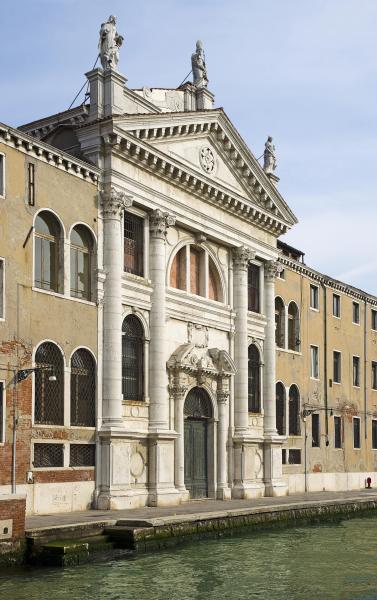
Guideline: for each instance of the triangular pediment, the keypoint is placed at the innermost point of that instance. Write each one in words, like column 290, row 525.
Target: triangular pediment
column 207, row 144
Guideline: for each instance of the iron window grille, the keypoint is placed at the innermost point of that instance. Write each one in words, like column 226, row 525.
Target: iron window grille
column 280, row 408
column 2, row 175
column 2, row 412
column 47, row 232
column 2, row 286
column 253, row 288
column 374, row 319
column 374, row 375
column 82, row 455
column 254, row 380
column 133, row 244
column 336, row 305
column 356, row 313
column 316, row 440
column 48, row 455
column 31, row 183
column 294, row 456
column 314, row 297
column 294, row 411
column 132, row 359
column 374, row 434
column 337, row 358
column 356, row 433
column 49, row 395
column 356, row 371
column 337, row 432
column 197, row 404
column 83, row 389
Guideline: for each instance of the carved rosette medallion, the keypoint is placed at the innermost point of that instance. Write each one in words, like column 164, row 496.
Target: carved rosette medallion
column 242, row 256
column 159, row 222
column 114, row 202
column 207, row 160
column 271, row 270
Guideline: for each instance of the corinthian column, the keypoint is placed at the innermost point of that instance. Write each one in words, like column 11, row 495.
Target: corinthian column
column 159, row 399
column 113, row 204
column 241, row 259
column 271, row 269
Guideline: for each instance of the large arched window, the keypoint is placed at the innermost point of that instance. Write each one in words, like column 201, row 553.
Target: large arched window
column 194, row 271
column 293, row 327
column 280, row 408
column 279, row 323
column 81, row 259
column 132, row 359
column 254, row 389
column 294, row 410
column 83, row 389
column 49, row 385
column 47, row 235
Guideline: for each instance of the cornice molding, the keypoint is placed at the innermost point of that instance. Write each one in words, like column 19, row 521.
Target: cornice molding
column 48, row 154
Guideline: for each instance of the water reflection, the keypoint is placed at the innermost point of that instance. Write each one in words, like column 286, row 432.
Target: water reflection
column 327, row 562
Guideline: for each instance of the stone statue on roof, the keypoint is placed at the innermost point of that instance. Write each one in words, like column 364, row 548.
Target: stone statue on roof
column 109, row 43
column 199, row 69
column 269, row 156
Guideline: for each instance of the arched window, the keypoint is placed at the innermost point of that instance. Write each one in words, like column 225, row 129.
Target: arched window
column 83, row 389
column 194, row 271
column 293, row 327
column 49, row 395
column 294, row 410
column 81, row 258
column 132, row 358
column 280, row 408
column 47, row 234
column 254, row 388
column 279, row 323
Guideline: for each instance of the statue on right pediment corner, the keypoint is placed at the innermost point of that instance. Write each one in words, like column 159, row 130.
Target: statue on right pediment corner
column 199, row 69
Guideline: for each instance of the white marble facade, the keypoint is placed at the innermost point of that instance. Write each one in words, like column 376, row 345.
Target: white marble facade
column 187, row 173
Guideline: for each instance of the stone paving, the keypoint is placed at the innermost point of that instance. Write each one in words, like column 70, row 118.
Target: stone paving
column 199, row 507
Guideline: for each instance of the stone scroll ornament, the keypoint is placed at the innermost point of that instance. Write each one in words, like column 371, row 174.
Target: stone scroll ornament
column 109, row 43
column 199, row 69
column 114, row 202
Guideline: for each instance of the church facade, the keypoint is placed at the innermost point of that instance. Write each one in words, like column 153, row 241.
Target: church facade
column 192, row 334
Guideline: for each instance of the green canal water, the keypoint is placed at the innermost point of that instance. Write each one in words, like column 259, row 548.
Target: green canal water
column 326, row 562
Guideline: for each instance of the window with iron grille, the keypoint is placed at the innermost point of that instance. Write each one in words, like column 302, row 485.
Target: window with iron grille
column 31, row 184
column 280, row 408
column 48, row 455
column 2, row 412
column 83, row 389
column 356, row 371
column 49, row 395
column 355, row 313
column 82, row 455
column 133, row 244
column 284, row 456
column 356, row 432
column 314, row 360
column 337, row 432
column 374, row 319
column 2, row 175
column 336, row 305
column 254, row 380
column 46, row 248
column 294, row 411
column 253, row 288
column 314, row 297
column 337, row 360
column 197, row 404
column 374, row 434
column 316, row 440
column 132, row 359
column 294, row 456
column 374, row 375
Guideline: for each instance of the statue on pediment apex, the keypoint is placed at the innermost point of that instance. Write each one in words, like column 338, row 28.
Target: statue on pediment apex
column 109, row 43
column 269, row 156
column 199, row 69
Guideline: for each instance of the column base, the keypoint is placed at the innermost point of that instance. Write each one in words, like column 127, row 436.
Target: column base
column 273, row 469
column 224, row 493
column 276, row 488
column 164, row 497
column 184, row 494
column 247, row 490
column 122, row 499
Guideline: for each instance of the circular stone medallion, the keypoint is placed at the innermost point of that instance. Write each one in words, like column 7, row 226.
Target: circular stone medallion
column 207, row 160
column 136, row 464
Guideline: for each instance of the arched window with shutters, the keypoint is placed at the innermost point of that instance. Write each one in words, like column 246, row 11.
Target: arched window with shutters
column 132, row 359
column 83, row 389
column 294, row 410
column 47, row 252
column 293, row 327
column 254, row 388
column 280, row 408
column 49, row 395
column 81, row 262
column 279, row 322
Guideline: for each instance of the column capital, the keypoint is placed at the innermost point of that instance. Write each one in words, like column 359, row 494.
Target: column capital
column 271, row 269
column 242, row 256
column 222, row 397
column 159, row 222
column 178, row 391
column 113, row 202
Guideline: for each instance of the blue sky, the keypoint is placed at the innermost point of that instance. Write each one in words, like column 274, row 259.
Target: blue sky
column 303, row 71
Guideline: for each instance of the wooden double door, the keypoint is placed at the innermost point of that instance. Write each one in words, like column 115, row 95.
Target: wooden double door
column 196, row 457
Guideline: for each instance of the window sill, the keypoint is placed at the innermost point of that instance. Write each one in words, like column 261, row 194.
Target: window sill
column 59, row 295
column 336, row 317
column 47, row 426
column 296, row 352
column 81, row 300
column 337, row 382
column 314, row 378
column 86, row 427
column 353, row 323
column 314, row 309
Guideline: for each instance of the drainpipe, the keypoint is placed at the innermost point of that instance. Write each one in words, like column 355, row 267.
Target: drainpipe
column 365, row 371
column 325, row 388
column 14, row 433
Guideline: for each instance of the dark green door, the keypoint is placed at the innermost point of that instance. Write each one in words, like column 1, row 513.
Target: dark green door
column 196, row 467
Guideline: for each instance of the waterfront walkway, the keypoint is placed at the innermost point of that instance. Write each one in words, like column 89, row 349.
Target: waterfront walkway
column 200, row 509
